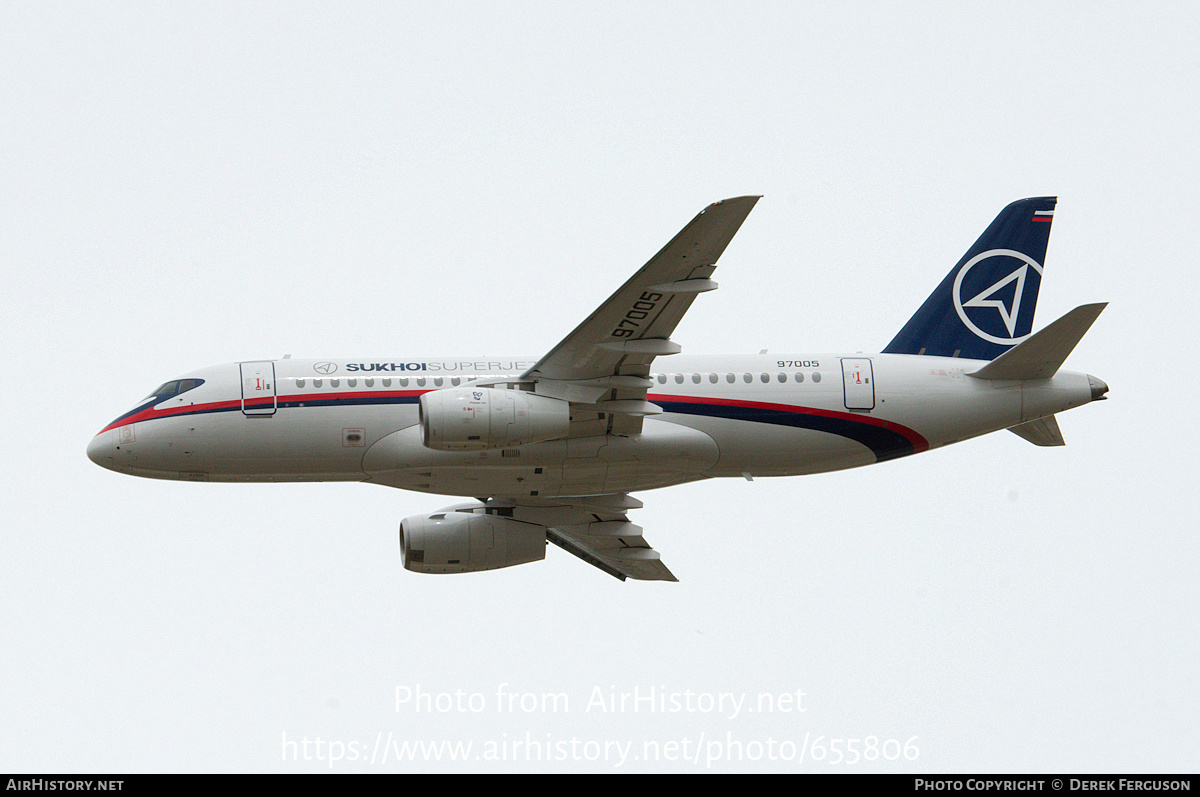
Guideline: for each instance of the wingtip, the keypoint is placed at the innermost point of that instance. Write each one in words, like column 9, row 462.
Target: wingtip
column 747, row 198
column 745, row 203
column 1094, row 310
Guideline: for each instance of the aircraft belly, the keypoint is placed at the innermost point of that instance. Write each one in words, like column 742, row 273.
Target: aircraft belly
column 769, row 450
column 663, row 454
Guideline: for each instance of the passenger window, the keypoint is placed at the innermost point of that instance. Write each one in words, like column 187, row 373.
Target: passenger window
column 335, row 382
column 369, row 382
column 662, row 379
column 712, row 378
column 300, row 383
column 729, row 378
column 437, row 381
column 318, row 382
column 747, row 378
column 352, row 382
column 695, row 379
column 679, row 379
column 816, row 376
column 404, row 381
column 455, row 381
column 765, row 377
column 783, row 377
column 799, row 377
column 420, row 381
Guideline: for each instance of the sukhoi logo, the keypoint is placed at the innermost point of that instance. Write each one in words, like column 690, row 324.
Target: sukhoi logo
column 325, row 368
column 991, row 307
column 385, row 367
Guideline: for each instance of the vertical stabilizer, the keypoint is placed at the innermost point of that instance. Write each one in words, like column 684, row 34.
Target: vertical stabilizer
column 985, row 304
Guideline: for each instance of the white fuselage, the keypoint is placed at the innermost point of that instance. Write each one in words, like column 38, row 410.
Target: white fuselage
column 763, row 415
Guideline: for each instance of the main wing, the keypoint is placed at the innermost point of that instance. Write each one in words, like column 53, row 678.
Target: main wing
column 603, row 366
column 603, row 369
column 594, row 528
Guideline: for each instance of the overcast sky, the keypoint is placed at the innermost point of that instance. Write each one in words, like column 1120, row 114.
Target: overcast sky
column 189, row 184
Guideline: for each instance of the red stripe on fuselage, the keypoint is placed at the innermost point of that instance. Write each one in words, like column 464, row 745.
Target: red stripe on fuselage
column 152, row 413
column 919, row 443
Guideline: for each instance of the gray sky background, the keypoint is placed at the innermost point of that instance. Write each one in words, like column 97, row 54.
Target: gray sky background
column 189, row 184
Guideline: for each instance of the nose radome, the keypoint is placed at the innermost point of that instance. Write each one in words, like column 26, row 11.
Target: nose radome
column 101, row 450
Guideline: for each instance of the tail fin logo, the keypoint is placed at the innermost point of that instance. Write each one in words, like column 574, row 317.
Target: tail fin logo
column 996, row 290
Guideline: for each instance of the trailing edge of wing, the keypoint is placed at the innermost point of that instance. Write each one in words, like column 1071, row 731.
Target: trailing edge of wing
column 595, row 529
column 621, row 558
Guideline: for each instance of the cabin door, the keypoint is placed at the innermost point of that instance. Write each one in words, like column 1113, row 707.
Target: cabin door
column 258, row 388
column 859, row 383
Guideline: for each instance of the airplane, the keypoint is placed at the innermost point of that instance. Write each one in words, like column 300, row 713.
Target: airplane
column 550, row 448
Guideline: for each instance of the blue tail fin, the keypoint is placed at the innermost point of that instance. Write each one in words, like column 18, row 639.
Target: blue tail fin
column 985, row 304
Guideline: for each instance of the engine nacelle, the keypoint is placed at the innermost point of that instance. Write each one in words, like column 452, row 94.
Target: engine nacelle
column 486, row 417
column 464, row 542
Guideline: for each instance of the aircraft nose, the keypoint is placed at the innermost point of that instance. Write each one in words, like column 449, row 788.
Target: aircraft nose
column 1098, row 388
column 102, row 451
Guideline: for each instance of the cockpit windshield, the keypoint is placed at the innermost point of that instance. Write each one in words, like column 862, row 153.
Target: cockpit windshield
column 173, row 388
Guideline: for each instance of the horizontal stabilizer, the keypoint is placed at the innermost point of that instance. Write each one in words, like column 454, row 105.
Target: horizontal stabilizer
column 1042, row 432
column 1041, row 355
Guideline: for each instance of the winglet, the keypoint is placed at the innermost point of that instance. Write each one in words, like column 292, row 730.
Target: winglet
column 1042, row 354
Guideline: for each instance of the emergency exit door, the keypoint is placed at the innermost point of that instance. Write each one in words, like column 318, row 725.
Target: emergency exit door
column 258, row 388
column 859, row 383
